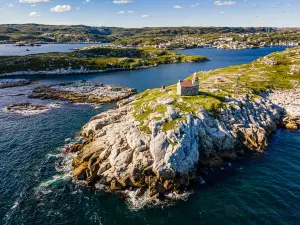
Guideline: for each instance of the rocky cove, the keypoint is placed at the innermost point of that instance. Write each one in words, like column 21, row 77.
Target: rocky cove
column 163, row 143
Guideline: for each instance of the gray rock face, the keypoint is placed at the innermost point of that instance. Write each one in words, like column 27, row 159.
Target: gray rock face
column 121, row 155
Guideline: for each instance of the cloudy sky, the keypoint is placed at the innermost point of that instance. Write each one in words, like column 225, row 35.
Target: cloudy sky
column 141, row 13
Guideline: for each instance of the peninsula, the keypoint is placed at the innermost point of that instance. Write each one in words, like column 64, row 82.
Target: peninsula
column 91, row 59
column 162, row 141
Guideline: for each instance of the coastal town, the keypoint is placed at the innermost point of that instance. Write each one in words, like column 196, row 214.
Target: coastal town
column 230, row 41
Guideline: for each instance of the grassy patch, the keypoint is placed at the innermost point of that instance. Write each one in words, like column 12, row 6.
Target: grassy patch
column 268, row 73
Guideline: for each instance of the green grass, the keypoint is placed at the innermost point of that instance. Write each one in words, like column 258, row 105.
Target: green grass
column 234, row 81
column 143, row 107
column 95, row 59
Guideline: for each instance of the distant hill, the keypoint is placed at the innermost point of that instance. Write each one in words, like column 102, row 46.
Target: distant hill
column 11, row 33
column 52, row 33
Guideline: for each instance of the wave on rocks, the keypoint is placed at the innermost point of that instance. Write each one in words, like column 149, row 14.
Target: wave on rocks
column 94, row 105
column 63, row 166
column 135, row 202
column 13, row 208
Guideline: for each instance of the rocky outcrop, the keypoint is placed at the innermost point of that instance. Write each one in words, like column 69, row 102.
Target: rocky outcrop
column 6, row 83
column 30, row 109
column 120, row 155
column 290, row 101
column 83, row 92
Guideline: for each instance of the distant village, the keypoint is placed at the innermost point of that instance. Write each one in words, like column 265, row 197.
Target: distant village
column 222, row 42
column 227, row 41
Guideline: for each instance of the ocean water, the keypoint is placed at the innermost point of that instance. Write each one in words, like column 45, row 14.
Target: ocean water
column 11, row 50
column 35, row 182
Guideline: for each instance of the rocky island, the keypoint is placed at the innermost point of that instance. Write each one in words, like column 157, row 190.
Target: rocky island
column 6, row 83
column 159, row 142
column 29, row 109
column 83, row 92
column 94, row 59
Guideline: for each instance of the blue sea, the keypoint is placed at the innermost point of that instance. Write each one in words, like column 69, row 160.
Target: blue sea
column 36, row 187
column 11, row 50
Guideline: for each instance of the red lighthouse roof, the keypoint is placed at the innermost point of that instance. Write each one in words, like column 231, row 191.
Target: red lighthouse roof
column 186, row 83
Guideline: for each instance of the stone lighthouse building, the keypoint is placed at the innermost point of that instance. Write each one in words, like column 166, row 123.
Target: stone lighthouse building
column 188, row 87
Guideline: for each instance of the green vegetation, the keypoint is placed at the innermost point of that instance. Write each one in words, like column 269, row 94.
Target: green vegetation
column 147, row 106
column 279, row 70
column 12, row 33
column 178, row 37
column 95, row 58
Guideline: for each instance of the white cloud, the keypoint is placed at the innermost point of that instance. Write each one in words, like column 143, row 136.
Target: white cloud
column 145, row 16
column 228, row 3
column 177, row 7
column 33, row 1
column 123, row 12
column 122, row 1
column 61, row 8
column 34, row 14
column 10, row 5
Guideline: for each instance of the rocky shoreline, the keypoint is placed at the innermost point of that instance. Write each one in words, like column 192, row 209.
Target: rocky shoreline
column 83, row 92
column 76, row 71
column 119, row 155
column 158, row 142
column 69, row 71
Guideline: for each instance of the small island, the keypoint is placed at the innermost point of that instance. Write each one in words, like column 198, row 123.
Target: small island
column 164, row 140
column 93, row 59
column 7, row 83
column 29, row 109
column 83, row 92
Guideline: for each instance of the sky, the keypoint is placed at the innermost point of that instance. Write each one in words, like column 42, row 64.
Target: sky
column 153, row 13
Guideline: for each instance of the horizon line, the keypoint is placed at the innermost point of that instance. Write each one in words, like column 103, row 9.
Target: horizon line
column 46, row 24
